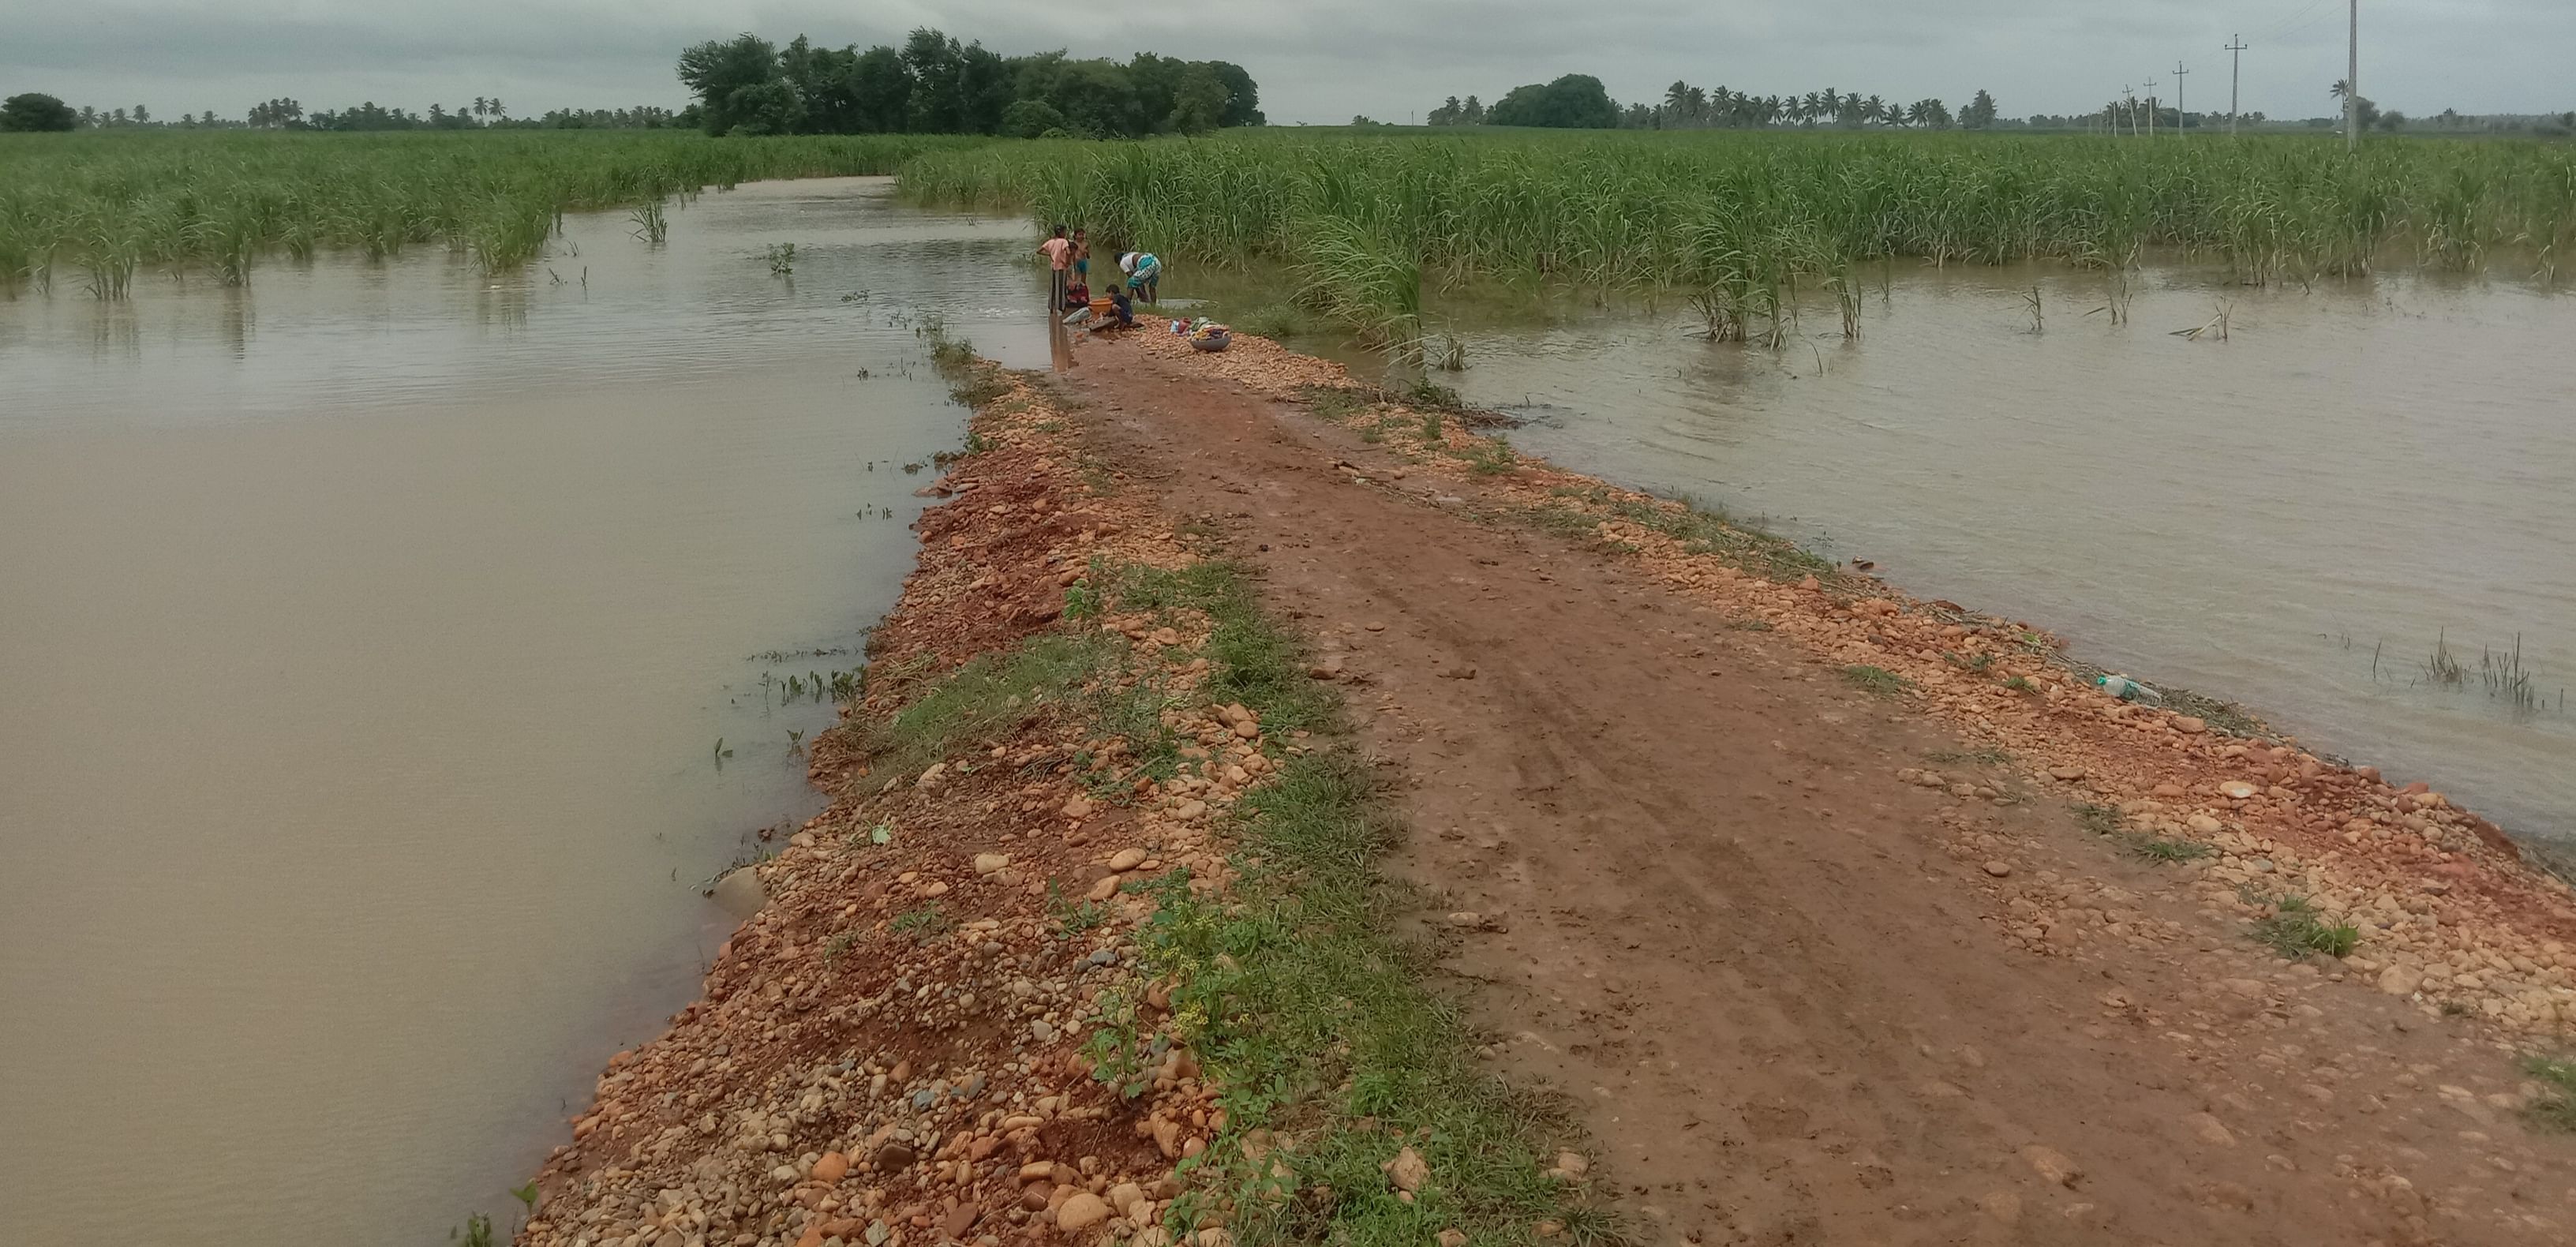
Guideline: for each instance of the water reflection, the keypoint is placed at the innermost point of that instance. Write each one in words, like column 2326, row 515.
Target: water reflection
column 2299, row 514
column 369, row 635
column 2367, row 468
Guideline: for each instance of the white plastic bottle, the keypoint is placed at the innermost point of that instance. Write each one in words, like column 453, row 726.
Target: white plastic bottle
column 2126, row 689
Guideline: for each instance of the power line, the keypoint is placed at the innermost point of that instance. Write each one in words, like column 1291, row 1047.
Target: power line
column 2295, row 19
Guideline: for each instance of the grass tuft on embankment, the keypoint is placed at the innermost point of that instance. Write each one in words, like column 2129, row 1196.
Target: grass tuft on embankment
column 2556, row 1107
column 1307, row 1008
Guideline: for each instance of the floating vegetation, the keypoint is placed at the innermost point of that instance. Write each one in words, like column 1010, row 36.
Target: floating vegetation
column 782, row 259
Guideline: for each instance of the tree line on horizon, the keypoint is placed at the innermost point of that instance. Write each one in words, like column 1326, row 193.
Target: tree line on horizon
column 40, row 112
column 935, row 85
column 1578, row 101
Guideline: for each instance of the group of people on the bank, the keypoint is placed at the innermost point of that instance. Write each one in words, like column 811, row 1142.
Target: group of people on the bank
column 1069, row 263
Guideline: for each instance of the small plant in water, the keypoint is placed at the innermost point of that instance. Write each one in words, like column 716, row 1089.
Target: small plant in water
column 2443, row 667
column 650, row 223
column 722, row 753
column 782, row 259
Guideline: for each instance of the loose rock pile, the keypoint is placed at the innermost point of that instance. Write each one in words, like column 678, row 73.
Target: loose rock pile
column 892, row 1051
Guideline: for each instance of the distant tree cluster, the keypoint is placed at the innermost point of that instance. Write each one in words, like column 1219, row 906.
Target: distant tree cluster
column 935, row 85
column 36, row 112
column 2548, row 125
column 1578, row 101
column 1573, row 102
column 44, row 112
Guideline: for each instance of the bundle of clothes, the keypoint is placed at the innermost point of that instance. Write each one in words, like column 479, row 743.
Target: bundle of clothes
column 1205, row 334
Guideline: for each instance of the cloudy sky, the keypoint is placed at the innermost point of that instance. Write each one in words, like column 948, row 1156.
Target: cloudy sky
column 1316, row 60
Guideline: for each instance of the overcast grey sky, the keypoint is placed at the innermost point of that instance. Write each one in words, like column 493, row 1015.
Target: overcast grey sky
column 1316, row 60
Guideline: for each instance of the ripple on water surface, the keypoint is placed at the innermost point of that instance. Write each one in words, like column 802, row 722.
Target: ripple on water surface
column 2295, row 516
column 370, row 635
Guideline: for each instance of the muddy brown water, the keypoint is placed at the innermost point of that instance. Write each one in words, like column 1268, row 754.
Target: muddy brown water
column 2295, row 517
column 365, row 640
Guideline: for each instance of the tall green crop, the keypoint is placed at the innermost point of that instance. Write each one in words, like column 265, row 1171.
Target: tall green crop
column 1736, row 223
column 105, row 204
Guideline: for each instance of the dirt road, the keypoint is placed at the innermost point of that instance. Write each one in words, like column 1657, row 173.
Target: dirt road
column 1678, row 866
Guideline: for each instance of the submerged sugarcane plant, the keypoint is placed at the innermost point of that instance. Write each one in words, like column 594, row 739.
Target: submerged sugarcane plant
column 651, row 224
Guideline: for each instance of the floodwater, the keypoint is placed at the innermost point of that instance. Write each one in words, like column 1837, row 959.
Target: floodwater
column 2294, row 517
column 366, row 638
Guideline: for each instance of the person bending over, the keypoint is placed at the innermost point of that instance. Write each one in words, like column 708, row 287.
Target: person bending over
column 1144, row 275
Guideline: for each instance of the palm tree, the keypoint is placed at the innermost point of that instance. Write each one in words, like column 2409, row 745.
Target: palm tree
column 2341, row 88
column 1870, row 111
column 481, row 106
column 1892, row 115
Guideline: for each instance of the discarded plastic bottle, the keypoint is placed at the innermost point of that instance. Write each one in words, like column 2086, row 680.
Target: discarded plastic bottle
column 2126, row 689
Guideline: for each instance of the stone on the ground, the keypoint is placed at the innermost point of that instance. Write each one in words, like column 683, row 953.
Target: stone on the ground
column 2052, row 1165
column 1408, row 1170
column 1082, row 1212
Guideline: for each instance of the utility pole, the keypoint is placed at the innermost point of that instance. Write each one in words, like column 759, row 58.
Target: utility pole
column 2151, row 108
column 2180, row 118
column 2235, row 75
column 2352, row 86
